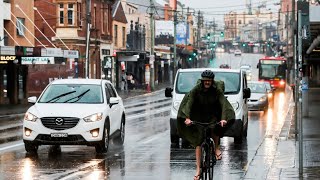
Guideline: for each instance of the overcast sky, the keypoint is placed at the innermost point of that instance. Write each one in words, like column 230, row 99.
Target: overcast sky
column 216, row 8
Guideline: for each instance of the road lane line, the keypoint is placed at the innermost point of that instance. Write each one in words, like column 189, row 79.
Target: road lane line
column 11, row 146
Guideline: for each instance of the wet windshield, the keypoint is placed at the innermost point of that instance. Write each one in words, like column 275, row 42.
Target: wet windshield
column 187, row 80
column 272, row 69
column 75, row 93
column 257, row 87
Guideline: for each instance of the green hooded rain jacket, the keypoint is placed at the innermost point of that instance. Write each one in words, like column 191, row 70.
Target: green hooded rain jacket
column 210, row 106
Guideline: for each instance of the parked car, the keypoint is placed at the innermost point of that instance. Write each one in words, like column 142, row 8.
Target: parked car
column 236, row 92
column 237, row 52
column 259, row 96
column 219, row 50
column 75, row 112
column 225, row 66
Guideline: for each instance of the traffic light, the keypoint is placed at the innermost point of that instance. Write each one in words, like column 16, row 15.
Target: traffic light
column 195, row 53
column 221, row 34
column 208, row 36
column 244, row 44
column 190, row 59
column 214, row 44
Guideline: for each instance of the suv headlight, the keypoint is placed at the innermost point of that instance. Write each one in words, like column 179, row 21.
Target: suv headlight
column 176, row 105
column 93, row 117
column 30, row 117
column 235, row 105
column 264, row 98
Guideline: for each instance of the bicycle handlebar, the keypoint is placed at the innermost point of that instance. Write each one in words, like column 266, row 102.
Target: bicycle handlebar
column 205, row 124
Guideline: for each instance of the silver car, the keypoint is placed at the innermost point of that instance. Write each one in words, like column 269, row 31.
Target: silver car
column 259, row 96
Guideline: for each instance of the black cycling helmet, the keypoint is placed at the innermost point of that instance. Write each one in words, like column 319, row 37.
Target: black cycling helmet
column 207, row 75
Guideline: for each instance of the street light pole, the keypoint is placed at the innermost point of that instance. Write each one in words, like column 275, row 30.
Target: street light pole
column 174, row 43
column 152, row 58
column 88, row 20
column 298, row 86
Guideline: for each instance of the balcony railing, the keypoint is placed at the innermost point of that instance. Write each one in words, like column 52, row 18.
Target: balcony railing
column 106, row 37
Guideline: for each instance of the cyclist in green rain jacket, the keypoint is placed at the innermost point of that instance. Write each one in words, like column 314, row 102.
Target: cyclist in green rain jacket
column 204, row 103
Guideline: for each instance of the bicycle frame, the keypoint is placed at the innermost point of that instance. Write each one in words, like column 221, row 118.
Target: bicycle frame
column 208, row 159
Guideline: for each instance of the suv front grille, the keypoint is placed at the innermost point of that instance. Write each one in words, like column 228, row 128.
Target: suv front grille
column 59, row 123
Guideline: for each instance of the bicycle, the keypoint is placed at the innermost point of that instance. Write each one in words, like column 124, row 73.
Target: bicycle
column 208, row 158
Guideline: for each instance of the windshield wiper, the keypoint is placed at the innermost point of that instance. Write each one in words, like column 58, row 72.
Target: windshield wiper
column 59, row 96
column 77, row 97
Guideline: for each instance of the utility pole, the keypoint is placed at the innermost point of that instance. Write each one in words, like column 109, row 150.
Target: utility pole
column 187, row 28
column 88, row 20
column 298, row 86
column 174, row 43
column 198, row 33
column 152, row 58
column 287, row 26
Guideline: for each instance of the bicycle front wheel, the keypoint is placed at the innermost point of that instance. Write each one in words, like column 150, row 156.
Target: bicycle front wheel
column 211, row 159
column 207, row 161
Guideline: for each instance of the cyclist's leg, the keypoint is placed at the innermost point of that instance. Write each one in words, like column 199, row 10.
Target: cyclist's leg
column 198, row 159
column 216, row 134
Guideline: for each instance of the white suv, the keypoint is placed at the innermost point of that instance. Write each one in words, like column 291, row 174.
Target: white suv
column 236, row 91
column 75, row 112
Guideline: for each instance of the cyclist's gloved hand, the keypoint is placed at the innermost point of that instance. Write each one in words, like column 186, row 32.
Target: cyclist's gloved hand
column 188, row 122
column 223, row 123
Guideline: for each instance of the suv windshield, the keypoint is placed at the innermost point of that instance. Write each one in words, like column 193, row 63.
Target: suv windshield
column 72, row 93
column 187, row 80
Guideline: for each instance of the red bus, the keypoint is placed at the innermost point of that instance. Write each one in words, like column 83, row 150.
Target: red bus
column 273, row 69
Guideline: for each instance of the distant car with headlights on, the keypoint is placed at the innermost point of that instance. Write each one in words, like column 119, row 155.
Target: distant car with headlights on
column 258, row 100
column 237, row 52
column 75, row 112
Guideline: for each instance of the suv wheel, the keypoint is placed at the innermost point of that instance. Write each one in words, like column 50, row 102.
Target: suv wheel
column 31, row 147
column 120, row 139
column 103, row 145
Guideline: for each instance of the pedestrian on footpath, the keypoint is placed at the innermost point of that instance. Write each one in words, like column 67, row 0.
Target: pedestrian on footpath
column 123, row 81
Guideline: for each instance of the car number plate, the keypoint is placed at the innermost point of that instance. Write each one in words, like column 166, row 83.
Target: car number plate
column 59, row 135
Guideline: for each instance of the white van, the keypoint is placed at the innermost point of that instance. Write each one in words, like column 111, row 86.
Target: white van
column 236, row 91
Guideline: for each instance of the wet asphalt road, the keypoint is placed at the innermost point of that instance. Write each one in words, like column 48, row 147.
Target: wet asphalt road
column 147, row 152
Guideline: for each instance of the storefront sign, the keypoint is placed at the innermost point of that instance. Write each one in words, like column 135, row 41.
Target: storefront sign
column 52, row 52
column 7, row 50
column 37, row 60
column 128, row 58
column 5, row 59
column 70, row 54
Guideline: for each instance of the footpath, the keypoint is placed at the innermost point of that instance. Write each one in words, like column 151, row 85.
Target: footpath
column 286, row 162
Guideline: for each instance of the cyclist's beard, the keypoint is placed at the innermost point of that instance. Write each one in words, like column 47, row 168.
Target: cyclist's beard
column 205, row 88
